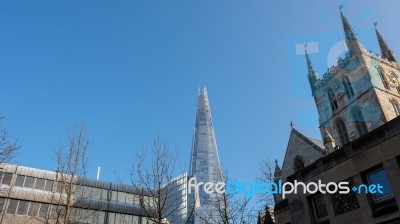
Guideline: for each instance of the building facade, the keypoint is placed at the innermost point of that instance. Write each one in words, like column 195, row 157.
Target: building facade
column 360, row 93
column 180, row 203
column 31, row 196
column 358, row 106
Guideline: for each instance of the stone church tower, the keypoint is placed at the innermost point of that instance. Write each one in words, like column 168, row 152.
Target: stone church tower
column 357, row 95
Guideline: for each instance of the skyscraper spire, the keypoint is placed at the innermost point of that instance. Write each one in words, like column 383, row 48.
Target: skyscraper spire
column 204, row 164
column 348, row 30
column 385, row 50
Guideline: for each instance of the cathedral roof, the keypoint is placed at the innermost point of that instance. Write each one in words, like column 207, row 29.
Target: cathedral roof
column 307, row 148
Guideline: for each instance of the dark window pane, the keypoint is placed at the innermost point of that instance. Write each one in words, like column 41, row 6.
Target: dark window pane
column 40, row 183
column 7, row 178
column 320, row 207
column 342, row 130
column 22, row 207
column 2, row 200
column 43, row 210
column 34, row 209
column 20, row 180
column 360, row 122
column 49, row 185
column 332, row 100
column 380, row 177
column 12, row 206
column 61, row 187
column 29, row 182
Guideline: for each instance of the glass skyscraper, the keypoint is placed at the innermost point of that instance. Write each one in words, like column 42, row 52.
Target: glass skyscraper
column 204, row 164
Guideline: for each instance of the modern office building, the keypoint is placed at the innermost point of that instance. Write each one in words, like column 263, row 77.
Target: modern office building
column 204, row 164
column 180, row 203
column 30, row 196
column 358, row 107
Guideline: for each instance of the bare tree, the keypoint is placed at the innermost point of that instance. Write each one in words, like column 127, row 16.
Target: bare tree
column 8, row 148
column 152, row 174
column 233, row 208
column 266, row 174
column 72, row 163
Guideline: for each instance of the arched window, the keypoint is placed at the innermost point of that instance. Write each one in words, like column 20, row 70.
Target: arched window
column 342, row 131
column 348, row 87
column 396, row 106
column 384, row 81
column 359, row 121
column 395, row 81
column 298, row 163
column 332, row 99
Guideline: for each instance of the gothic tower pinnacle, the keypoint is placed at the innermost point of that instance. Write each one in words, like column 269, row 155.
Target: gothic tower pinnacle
column 312, row 74
column 385, row 50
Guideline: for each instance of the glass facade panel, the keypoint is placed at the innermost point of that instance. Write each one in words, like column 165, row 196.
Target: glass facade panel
column 121, row 196
column 130, row 198
column 29, row 182
column 2, row 200
column 104, row 194
column 34, row 209
column 44, row 208
column 7, row 178
column 39, row 184
column 128, row 219
column 22, row 207
column 114, row 195
column 12, row 206
column 111, row 218
column 87, row 192
column 20, row 180
column 96, row 193
column 49, row 185
column 204, row 162
column 119, row 218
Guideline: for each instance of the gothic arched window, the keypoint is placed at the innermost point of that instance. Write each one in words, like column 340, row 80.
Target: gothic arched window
column 298, row 163
column 342, row 131
column 332, row 99
column 383, row 78
column 359, row 121
column 396, row 106
column 395, row 81
column 348, row 87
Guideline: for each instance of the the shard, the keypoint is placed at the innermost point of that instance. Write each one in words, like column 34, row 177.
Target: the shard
column 204, row 164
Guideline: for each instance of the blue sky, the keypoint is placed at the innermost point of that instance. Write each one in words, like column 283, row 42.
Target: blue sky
column 130, row 70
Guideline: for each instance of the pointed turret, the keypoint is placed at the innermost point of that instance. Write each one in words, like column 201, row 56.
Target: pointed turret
column 312, row 74
column 351, row 38
column 277, row 177
column 329, row 142
column 348, row 30
column 278, row 171
column 385, row 50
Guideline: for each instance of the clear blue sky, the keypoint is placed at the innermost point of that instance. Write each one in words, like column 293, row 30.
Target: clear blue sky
column 130, row 70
